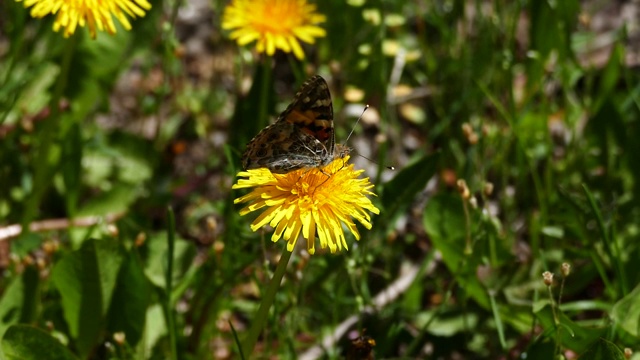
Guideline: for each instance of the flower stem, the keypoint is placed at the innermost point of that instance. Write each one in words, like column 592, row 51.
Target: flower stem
column 168, row 301
column 265, row 90
column 263, row 311
column 44, row 167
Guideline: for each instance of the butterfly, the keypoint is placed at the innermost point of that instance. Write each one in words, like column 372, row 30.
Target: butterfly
column 302, row 136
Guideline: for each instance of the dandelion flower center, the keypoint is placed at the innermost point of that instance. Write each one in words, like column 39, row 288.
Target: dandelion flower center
column 274, row 24
column 312, row 202
column 278, row 19
column 96, row 14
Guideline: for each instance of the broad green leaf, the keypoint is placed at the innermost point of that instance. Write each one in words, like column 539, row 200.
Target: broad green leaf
column 86, row 280
column 157, row 259
column 133, row 157
column 103, row 55
column 130, row 301
column 257, row 105
column 30, row 293
column 543, row 34
column 95, row 67
column 531, row 128
column 26, row 243
column 18, row 301
column 34, row 95
column 25, row 342
column 444, row 222
column 399, row 193
column 609, row 131
column 610, row 76
column 571, row 335
column 156, row 327
column 11, row 304
column 117, row 200
column 626, row 312
column 71, row 167
column 603, row 350
column 543, row 348
column 446, row 325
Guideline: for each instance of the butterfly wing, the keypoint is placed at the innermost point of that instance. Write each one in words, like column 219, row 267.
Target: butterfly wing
column 282, row 147
column 302, row 136
column 312, row 111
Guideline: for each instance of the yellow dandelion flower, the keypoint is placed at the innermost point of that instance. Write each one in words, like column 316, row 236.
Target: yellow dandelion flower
column 96, row 14
column 274, row 24
column 309, row 201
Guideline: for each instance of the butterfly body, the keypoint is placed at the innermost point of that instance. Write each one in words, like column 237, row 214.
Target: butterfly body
column 302, row 136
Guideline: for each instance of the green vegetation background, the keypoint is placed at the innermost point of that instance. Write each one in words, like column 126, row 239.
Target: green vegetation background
column 538, row 98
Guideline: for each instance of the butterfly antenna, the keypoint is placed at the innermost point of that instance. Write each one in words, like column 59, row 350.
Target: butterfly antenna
column 351, row 133
column 356, row 124
column 375, row 162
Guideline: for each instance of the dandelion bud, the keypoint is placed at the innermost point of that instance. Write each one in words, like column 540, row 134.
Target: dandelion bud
column 473, row 138
column 565, row 269
column 50, row 246
column 41, row 264
column 463, row 189
column 112, row 230
column 467, row 129
column 488, row 189
column 212, row 223
column 473, row 202
column 119, row 337
column 28, row 260
column 218, row 247
column 140, row 239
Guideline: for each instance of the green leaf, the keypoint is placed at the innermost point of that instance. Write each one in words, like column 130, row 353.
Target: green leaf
column 626, row 312
column 399, row 193
column 156, row 327
column 571, row 335
column 156, row 263
column 130, row 301
column 24, row 342
column 35, row 94
column 133, row 157
column 86, row 280
column 444, row 222
column 610, row 76
column 541, row 349
column 71, row 167
column 603, row 350
column 26, row 243
column 18, row 301
column 446, row 324
column 30, row 293
column 257, row 105
column 11, row 304
column 116, row 200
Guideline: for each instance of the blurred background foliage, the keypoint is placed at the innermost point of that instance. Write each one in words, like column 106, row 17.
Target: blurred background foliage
column 535, row 104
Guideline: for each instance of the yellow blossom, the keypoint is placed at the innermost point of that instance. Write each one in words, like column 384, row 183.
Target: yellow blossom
column 95, row 14
column 273, row 24
column 309, row 201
